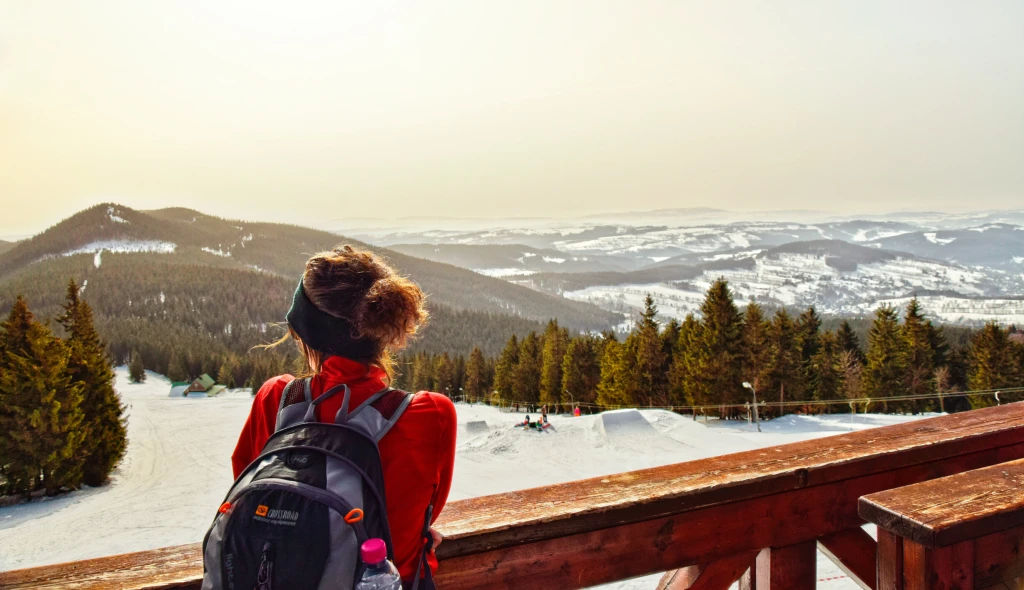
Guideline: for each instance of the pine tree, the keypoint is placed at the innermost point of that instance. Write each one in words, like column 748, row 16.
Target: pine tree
column 105, row 436
column 40, row 408
column 808, row 326
column 886, row 368
column 178, row 372
column 444, row 376
column 784, row 364
column 678, row 373
column 556, row 341
column 423, row 372
column 505, row 369
column 618, row 379
column 226, row 372
column 756, row 346
column 581, row 370
column 477, row 380
column 526, row 387
column 136, row 368
column 992, row 364
column 827, row 369
column 849, row 342
column 920, row 338
column 651, row 362
column 713, row 361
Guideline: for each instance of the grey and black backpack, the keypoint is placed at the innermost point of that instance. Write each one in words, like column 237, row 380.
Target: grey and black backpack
column 297, row 515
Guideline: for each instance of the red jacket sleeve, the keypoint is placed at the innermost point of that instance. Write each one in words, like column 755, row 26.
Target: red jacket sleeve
column 259, row 425
column 445, row 451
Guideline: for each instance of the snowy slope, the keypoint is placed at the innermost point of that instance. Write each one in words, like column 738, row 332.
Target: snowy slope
column 178, row 468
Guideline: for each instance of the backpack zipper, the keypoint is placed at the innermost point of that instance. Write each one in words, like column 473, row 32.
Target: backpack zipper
column 265, row 574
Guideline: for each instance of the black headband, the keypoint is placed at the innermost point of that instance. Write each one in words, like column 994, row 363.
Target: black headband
column 326, row 333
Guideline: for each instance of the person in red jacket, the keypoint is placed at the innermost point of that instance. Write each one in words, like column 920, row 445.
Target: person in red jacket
column 383, row 310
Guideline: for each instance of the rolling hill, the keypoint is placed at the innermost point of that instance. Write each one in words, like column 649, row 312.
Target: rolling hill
column 181, row 236
column 199, row 292
column 5, row 246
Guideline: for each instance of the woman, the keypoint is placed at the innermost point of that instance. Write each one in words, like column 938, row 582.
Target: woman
column 377, row 311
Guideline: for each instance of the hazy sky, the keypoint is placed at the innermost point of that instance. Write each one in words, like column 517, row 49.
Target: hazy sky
column 312, row 111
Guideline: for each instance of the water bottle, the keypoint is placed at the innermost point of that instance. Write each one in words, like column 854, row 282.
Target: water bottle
column 380, row 573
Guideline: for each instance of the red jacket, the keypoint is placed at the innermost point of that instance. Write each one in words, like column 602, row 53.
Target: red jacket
column 418, row 454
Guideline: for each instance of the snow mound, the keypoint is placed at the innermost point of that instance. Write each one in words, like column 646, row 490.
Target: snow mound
column 477, row 427
column 624, row 423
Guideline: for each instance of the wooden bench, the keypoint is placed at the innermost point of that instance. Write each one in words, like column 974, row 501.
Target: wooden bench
column 965, row 531
column 712, row 517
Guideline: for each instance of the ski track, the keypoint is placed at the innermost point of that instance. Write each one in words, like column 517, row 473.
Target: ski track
column 178, row 469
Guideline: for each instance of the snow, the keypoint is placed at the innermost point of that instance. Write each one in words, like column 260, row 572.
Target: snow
column 178, row 468
column 216, row 252
column 504, row 272
column 124, row 247
column 112, row 214
column 930, row 236
column 553, row 259
column 97, row 260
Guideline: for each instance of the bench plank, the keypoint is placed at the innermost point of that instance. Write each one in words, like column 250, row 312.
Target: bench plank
column 952, row 509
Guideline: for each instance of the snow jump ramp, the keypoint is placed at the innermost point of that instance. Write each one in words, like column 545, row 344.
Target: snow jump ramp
column 476, row 427
column 624, row 423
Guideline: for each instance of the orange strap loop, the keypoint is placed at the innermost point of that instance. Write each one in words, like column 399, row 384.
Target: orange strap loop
column 355, row 515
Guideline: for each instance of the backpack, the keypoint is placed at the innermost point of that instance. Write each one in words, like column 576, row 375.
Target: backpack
column 297, row 515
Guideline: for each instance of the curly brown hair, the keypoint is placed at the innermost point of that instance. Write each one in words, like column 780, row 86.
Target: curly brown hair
column 364, row 290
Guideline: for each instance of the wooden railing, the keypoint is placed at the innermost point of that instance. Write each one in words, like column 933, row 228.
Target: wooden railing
column 710, row 519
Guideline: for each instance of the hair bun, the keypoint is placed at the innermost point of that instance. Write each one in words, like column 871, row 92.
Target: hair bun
column 391, row 310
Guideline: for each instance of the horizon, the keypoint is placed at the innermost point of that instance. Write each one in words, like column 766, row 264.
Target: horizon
column 256, row 110
column 14, row 233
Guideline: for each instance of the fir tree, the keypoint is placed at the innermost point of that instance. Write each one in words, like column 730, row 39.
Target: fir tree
column 556, row 341
column 713, row 361
column 992, row 364
column 920, row 338
column 423, row 373
column 105, row 437
column 784, row 364
column 444, row 376
column 808, row 337
column 505, row 369
column 136, row 368
column 827, row 369
column 40, row 408
column 618, row 379
column 886, row 368
column 526, row 386
column 849, row 342
column 651, row 361
column 178, row 372
column 226, row 372
column 678, row 372
column 477, row 380
column 581, row 370
column 756, row 346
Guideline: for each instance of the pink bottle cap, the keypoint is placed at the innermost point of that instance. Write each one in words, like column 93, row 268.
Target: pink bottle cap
column 373, row 551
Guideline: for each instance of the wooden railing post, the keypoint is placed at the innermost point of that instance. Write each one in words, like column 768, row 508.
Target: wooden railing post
column 788, row 568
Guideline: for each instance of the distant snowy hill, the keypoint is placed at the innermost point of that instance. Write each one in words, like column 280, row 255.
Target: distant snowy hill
column 971, row 265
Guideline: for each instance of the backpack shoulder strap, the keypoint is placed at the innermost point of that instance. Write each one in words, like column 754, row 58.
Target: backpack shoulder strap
column 296, row 399
column 378, row 414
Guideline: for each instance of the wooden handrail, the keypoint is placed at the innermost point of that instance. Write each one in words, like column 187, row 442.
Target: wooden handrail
column 610, row 528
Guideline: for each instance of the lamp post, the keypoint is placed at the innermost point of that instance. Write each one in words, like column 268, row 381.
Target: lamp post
column 756, row 419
